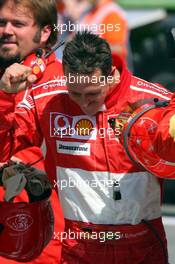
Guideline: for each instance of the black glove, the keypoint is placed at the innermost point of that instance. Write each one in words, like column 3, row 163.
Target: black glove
column 38, row 186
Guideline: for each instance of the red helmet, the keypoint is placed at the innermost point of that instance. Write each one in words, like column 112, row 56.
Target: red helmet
column 138, row 135
column 25, row 228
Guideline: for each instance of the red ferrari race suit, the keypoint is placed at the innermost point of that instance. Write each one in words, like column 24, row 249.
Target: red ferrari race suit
column 109, row 202
column 31, row 154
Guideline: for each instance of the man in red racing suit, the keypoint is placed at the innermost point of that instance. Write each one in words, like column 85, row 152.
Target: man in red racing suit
column 25, row 27
column 30, row 154
column 109, row 202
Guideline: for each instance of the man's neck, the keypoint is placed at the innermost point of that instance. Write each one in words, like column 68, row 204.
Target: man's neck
column 116, row 80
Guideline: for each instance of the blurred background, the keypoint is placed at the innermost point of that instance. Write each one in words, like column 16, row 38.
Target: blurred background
column 150, row 23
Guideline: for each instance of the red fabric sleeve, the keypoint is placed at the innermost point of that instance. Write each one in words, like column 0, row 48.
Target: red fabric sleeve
column 18, row 128
column 7, row 105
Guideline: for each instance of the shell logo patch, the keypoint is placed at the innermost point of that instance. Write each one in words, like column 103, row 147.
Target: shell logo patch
column 84, row 127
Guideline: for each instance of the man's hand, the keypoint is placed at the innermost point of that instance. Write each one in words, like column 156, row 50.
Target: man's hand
column 17, row 77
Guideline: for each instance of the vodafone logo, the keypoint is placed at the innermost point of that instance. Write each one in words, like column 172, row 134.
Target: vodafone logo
column 61, row 122
column 19, row 222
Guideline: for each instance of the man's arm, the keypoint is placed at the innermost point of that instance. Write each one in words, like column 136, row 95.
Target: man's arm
column 15, row 124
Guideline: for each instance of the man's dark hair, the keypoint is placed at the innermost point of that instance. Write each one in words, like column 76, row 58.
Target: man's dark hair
column 44, row 12
column 85, row 53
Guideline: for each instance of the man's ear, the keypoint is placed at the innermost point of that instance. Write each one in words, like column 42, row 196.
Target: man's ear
column 45, row 33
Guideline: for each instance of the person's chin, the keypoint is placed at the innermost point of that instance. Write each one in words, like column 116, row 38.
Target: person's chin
column 8, row 59
column 8, row 51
